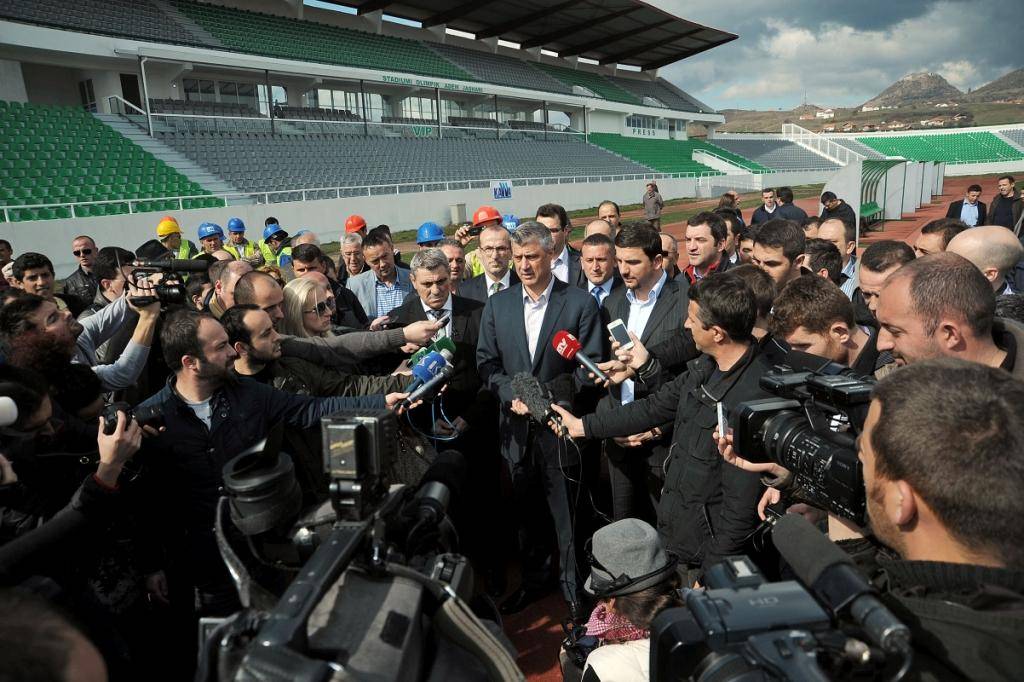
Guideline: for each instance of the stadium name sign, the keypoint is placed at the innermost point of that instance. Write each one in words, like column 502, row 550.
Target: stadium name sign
column 423, row 83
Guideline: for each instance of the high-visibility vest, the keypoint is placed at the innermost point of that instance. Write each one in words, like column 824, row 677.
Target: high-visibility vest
column 187, row 250
column 282, row 257
column 248, row 250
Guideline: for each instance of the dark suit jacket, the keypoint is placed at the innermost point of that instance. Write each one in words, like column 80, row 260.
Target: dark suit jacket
column 476, row 287
column 461, row 398
column 665, row 322
column 576, row 276
column 956, row 206
column 503, row 352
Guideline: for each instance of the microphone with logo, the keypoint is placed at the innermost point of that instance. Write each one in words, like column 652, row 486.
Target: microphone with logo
column 427, row 367
column 569, row 347
column 429, row 376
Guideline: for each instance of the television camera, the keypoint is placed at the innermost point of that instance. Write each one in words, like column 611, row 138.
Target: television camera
column 366, row 585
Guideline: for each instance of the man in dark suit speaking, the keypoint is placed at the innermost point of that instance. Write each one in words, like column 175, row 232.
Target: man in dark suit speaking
column 516, row 331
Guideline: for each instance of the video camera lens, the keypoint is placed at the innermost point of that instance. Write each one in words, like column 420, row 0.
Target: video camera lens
column 829, row 473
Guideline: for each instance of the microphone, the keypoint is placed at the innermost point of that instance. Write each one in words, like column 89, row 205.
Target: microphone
column 829, row 572
column 173, row 265
column 429, row 365
column 443, row 343
column 443, row 375
column 526, row 388
column 568, row 346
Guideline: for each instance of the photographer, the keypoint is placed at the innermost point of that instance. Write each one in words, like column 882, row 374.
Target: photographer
column 92, row 504
column 947, row 541
column 634, row 580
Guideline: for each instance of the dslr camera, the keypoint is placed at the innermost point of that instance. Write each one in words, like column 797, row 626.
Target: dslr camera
column 367, row 585
column 810, row 428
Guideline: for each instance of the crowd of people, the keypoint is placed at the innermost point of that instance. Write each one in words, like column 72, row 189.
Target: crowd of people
column 631, row 493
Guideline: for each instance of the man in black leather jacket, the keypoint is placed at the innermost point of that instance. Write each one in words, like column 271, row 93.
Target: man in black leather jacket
column 80, row 286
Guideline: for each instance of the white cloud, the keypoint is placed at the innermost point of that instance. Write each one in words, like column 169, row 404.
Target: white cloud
column 784, row 51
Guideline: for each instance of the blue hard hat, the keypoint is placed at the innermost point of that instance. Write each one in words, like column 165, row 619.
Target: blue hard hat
column 210, row 230
column 274, row 229
column 429, row 232
column 236, row 225
column 510, row 222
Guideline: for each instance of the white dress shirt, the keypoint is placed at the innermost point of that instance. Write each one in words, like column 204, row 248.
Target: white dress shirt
column 560, row 266
column 504, row 281
column 533, row 316
column 447, row 309
column 639, row 314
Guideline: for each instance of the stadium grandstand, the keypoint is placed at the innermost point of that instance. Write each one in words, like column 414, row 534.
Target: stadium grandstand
column 116, row 109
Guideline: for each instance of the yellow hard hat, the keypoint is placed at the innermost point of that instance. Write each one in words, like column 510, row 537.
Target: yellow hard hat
column 167, row 226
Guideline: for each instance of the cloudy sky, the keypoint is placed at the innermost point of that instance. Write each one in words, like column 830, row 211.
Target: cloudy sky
column 843, row 52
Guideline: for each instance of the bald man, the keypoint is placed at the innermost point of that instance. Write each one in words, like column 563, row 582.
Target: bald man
column 599, row 226
column 994, row 250
column 306, row 237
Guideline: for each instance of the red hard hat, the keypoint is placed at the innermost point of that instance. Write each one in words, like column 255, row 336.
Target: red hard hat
column 354, row 223
column 485, row 214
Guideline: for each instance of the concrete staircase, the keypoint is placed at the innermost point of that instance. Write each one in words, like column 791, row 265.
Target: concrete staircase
column 201, row 34
column 173, row 158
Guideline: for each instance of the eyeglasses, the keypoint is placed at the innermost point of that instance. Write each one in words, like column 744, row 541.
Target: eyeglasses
column 323, row 308
column 82, row 252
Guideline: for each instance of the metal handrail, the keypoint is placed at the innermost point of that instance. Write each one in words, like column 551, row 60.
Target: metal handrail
column 820, row 144
column 729, row 161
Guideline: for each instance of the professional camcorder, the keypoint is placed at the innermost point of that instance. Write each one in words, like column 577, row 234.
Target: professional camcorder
column 166, row 278
column 810, row 428
column 368, row 585
column 828, row 626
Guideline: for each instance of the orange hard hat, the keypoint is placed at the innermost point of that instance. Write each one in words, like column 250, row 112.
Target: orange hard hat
column 354, row 223
column 485, row 214
column 167, row 226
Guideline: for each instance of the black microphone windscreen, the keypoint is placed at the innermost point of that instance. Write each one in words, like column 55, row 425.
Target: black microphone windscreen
column 807, row 550
column 526, row 388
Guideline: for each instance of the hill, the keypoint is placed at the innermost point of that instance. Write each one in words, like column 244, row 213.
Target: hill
column 916, row 88
column 1010, row 86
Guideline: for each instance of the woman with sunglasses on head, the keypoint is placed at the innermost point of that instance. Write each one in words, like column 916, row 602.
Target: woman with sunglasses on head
column 634, row 580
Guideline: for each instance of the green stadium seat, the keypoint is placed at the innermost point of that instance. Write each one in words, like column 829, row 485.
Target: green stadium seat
column 52, row 154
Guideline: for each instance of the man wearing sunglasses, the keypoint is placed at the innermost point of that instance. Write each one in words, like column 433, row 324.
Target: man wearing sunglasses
column 82, row 283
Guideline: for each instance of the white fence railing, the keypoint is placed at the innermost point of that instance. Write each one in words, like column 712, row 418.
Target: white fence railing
column 821, row 145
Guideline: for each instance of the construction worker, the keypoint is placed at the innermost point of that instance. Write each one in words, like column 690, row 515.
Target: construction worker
column 428, row 235
column 211, row 237
column 355, row 223
column 240, row 247
column 483, row 217
column 273, row 246
column 169, row 234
